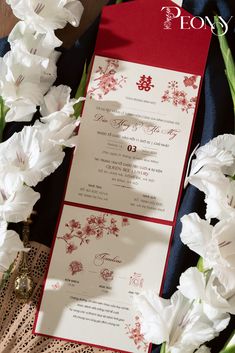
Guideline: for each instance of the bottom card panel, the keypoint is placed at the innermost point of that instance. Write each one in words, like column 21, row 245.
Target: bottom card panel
column 99, row 263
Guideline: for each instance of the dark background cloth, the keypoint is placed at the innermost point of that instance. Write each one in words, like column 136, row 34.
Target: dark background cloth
column 215, row 116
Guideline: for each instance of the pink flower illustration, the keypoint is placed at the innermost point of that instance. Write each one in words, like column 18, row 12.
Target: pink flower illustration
column 135, row 335
column 108, row 80
column 75, row 267
column 70, row 248
column 178, row 97
column 95, row 227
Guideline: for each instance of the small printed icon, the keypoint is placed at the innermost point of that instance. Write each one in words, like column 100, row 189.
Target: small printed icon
column 125, row 221
column 106, row 274
column 145, row 83
column 136, row 280
column 75, row 267
column 56, row 286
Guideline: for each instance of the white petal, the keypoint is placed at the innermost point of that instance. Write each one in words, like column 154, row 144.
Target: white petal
column 55, row 99
column 192, row 284
column 19, row 205
column 196, row 233
column 9, row 249
column 153, row 325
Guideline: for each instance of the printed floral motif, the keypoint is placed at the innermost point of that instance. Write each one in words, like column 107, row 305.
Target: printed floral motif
column 106, row 274
column 144, row 83
column 75, row 267
column 107, row 81
column 136, row 280
column 178, row 97
column 190, row 81
column 95, row 227
column 135, row 335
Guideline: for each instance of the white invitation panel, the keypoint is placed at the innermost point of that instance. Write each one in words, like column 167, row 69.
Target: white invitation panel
column 133, row 138
column 99, row 262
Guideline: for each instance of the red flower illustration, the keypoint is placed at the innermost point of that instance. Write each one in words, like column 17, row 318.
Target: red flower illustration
column 75, row 267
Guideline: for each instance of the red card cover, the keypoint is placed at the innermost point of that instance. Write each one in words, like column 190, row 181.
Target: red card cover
column 135, row 32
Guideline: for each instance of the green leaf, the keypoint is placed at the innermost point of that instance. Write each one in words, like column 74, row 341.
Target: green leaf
column 228, row 59
column 119, row 1
column 81, row 92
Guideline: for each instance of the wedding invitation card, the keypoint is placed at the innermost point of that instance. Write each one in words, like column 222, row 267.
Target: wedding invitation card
column 115, row 228
column 133, row 138
column 98, row 265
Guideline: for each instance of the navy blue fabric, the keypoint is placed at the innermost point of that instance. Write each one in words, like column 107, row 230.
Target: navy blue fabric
column 215, row 116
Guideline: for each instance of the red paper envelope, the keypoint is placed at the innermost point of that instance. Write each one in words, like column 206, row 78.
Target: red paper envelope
column 135, row 32
column 124, row 185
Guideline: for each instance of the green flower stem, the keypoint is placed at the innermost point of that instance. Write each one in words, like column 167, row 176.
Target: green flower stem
column 3, row 112
column 119, row 1
column 163, row 348
column 230, row 345
column 228, row 60
column 81, row 91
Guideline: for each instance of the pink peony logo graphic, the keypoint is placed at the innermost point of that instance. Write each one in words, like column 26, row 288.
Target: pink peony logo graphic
column 75, row 267
column 178, row 97
column 106, row 274
column 107, row 81
column 135, row 335
column 96, row 227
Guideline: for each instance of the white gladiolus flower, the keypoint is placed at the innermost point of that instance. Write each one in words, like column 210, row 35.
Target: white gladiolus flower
column 46, row 16
column 23, row 37
column 58, row 129
column 219, row 152
column 16, row 200
column 58, row 124
column 49, row 74
column 195, row 285
column 20, row 85
column 10, row 245
column 24, row 156
column 216, row 245
column 219, row 192
column 179, row 322
column 58, row 100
